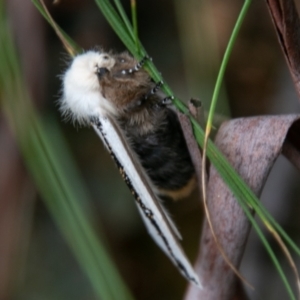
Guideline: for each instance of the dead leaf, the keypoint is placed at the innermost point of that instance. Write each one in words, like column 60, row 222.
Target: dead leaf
column 251, row 145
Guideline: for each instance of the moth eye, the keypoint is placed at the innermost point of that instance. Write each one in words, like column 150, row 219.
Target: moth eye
column 105, row 57
column 101, row 71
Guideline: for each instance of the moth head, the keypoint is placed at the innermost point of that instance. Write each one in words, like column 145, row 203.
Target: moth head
column 82, row 97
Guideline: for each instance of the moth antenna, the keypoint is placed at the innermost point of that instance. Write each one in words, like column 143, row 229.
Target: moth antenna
column 138, row 66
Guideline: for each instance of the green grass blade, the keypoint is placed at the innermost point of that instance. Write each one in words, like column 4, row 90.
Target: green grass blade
column 135, row 24
column 224, row 63
column 105, row 275
column 124, row 18
column 118, row 25
column 269, row 250
column 42, row 159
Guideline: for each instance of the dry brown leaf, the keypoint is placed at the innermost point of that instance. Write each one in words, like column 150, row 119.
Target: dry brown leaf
column 192, row 144
column 251, row 145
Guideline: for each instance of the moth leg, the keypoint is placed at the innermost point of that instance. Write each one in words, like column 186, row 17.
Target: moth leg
column 142, row 62
column 160, row 103
column 138, row 66
column 153, row 91
column 165, row 101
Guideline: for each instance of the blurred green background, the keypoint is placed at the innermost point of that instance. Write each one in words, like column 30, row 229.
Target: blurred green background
column 186, row 40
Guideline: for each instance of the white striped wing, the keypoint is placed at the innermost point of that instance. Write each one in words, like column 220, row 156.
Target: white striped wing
column 154, row 217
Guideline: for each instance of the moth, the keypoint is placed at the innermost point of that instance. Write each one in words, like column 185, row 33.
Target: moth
column 140, row 129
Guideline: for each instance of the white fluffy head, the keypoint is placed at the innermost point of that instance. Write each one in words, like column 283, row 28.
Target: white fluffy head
column 82, row 94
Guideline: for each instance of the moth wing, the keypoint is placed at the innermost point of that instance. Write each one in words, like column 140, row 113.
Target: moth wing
column 156, row 220
column 169, row 219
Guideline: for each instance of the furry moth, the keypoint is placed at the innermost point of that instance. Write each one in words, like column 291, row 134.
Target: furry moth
column 137, row 124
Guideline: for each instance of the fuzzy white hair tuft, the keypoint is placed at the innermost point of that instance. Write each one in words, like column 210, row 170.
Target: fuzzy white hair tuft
column 82, row 96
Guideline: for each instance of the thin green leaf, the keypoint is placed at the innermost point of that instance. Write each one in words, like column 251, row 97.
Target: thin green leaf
column 224, row 63
column 269, row 249
column 124, row 18
column 42, row 159
column 117, row 24
column 135, row 24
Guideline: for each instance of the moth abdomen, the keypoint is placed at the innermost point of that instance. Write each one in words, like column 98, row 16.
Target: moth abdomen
column 164, row 155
